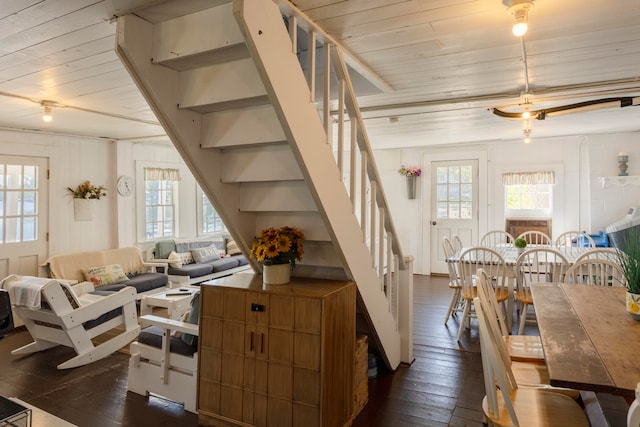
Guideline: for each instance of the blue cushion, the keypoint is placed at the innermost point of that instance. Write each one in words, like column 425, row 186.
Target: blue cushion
column 192, row 270
column 224, row 264
column 194, row 315
column 153, row 336
column 164, row 248
column 147, row 281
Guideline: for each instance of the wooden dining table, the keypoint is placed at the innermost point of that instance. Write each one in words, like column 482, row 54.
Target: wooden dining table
column 589, row 341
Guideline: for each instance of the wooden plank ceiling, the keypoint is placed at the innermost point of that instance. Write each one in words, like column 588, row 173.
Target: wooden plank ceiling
column 448, row 61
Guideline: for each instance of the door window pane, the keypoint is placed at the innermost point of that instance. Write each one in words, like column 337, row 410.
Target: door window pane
column 18, row 203
column 454, row 192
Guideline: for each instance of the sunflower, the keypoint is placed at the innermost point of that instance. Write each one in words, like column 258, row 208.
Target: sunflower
column 278, row 246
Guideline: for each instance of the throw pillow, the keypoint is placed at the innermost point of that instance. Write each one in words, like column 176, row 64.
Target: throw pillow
column 175, row 260
column 164, row 248
column 105, row 275
column 194, row 315
column 185, row 257
column 210, row 253
column 232, row 248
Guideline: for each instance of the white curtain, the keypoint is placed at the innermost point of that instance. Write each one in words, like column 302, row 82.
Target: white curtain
column 528, row 178
column 160, row 174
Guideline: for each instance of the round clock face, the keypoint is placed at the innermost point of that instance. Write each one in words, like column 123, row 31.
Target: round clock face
column 125, row 185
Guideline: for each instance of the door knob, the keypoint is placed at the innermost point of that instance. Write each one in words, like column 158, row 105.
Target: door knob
column 433, row 223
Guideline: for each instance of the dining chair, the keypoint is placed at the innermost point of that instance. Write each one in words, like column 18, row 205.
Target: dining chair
column 505, row 402
column 609, row 254
column 456, row 304
column 457, row 242
column 534, row 237
column 600, row 272
column 495, row 238
column 537, row 265
column 570, row 239
column 521, row 348
column 492, row 262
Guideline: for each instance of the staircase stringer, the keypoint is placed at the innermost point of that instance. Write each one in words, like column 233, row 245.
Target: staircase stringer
column 269, row 45
column 159, row 86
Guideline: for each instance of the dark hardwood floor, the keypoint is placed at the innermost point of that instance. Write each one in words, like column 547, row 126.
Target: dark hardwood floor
column 443, row 387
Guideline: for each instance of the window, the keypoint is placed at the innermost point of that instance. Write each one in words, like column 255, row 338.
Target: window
column 454, row 199
column 159, row 209
column 528, row 193
column 524, row 196
column 18, row 203
column 211, row 221
column 160, row 194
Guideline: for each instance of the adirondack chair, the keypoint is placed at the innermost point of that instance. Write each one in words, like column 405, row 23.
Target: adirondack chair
column 56, row 313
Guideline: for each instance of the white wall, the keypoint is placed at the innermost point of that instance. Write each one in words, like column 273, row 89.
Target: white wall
column 579, row 201
column 72, row 160
column 610, row 204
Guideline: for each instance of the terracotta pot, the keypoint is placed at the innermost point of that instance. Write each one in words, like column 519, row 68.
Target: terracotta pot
column 277, row 274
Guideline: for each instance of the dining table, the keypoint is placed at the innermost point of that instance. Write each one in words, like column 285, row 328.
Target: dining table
column 510, row 255
column 589, row 340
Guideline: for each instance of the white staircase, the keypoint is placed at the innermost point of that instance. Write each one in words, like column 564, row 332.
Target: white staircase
column 224, row 80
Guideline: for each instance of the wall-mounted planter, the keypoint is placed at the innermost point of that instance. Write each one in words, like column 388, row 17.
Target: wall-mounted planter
column 83, row 209
column 411, row 186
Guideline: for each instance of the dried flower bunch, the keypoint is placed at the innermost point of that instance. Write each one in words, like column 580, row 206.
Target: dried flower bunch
column 278, row 246
column 86, row 190
column 410, row 171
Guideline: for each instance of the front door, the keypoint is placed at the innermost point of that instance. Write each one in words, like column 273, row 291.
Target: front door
column 454, row 206
column 23, row 214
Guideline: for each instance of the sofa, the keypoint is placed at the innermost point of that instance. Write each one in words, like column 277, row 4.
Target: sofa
column 111, row 270
column 193, row 261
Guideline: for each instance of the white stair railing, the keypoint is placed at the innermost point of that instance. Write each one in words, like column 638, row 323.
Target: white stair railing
column 354, row 159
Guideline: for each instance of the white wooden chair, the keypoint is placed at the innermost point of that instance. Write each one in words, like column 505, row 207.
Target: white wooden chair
column 537, row 265
column 165, row 363
column 573, row 239
column 457, row 242
column 609, row 254
column 456, row 304
column 521, row 348
column 633, row 415
column 492, row 262
column 508, row 404
column 56, row 313
column 600, row 272
column 535, row 238
column 495, row 238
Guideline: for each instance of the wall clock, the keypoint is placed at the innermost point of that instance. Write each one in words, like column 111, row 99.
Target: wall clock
column 125, row 185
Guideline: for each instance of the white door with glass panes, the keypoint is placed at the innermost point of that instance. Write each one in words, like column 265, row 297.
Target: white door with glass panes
column 454, row 207
column 23, row 214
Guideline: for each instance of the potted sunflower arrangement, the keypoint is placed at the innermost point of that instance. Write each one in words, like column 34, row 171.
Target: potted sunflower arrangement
column 277, row 249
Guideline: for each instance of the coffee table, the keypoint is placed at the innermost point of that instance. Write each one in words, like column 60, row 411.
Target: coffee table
column 176, row 301
column 14, row 414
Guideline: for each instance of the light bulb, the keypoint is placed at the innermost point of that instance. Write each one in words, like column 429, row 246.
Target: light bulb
column 47, row 117
column 526, row 114
column 527, row 136
column 520, row 28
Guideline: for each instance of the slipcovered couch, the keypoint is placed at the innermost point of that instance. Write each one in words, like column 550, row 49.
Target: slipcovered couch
column 193, row 261
column 111, row 270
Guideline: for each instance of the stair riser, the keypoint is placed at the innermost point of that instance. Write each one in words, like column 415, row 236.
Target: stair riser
column 234, row 84
column 260, row 164
column 217, row 31
column 251, row 126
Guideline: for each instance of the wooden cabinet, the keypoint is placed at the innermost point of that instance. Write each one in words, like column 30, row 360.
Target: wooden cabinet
column 276, row 355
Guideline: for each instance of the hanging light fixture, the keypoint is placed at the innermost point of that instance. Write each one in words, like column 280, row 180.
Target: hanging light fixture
column 527, row 135
column 520, row 11
column 48, row 108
